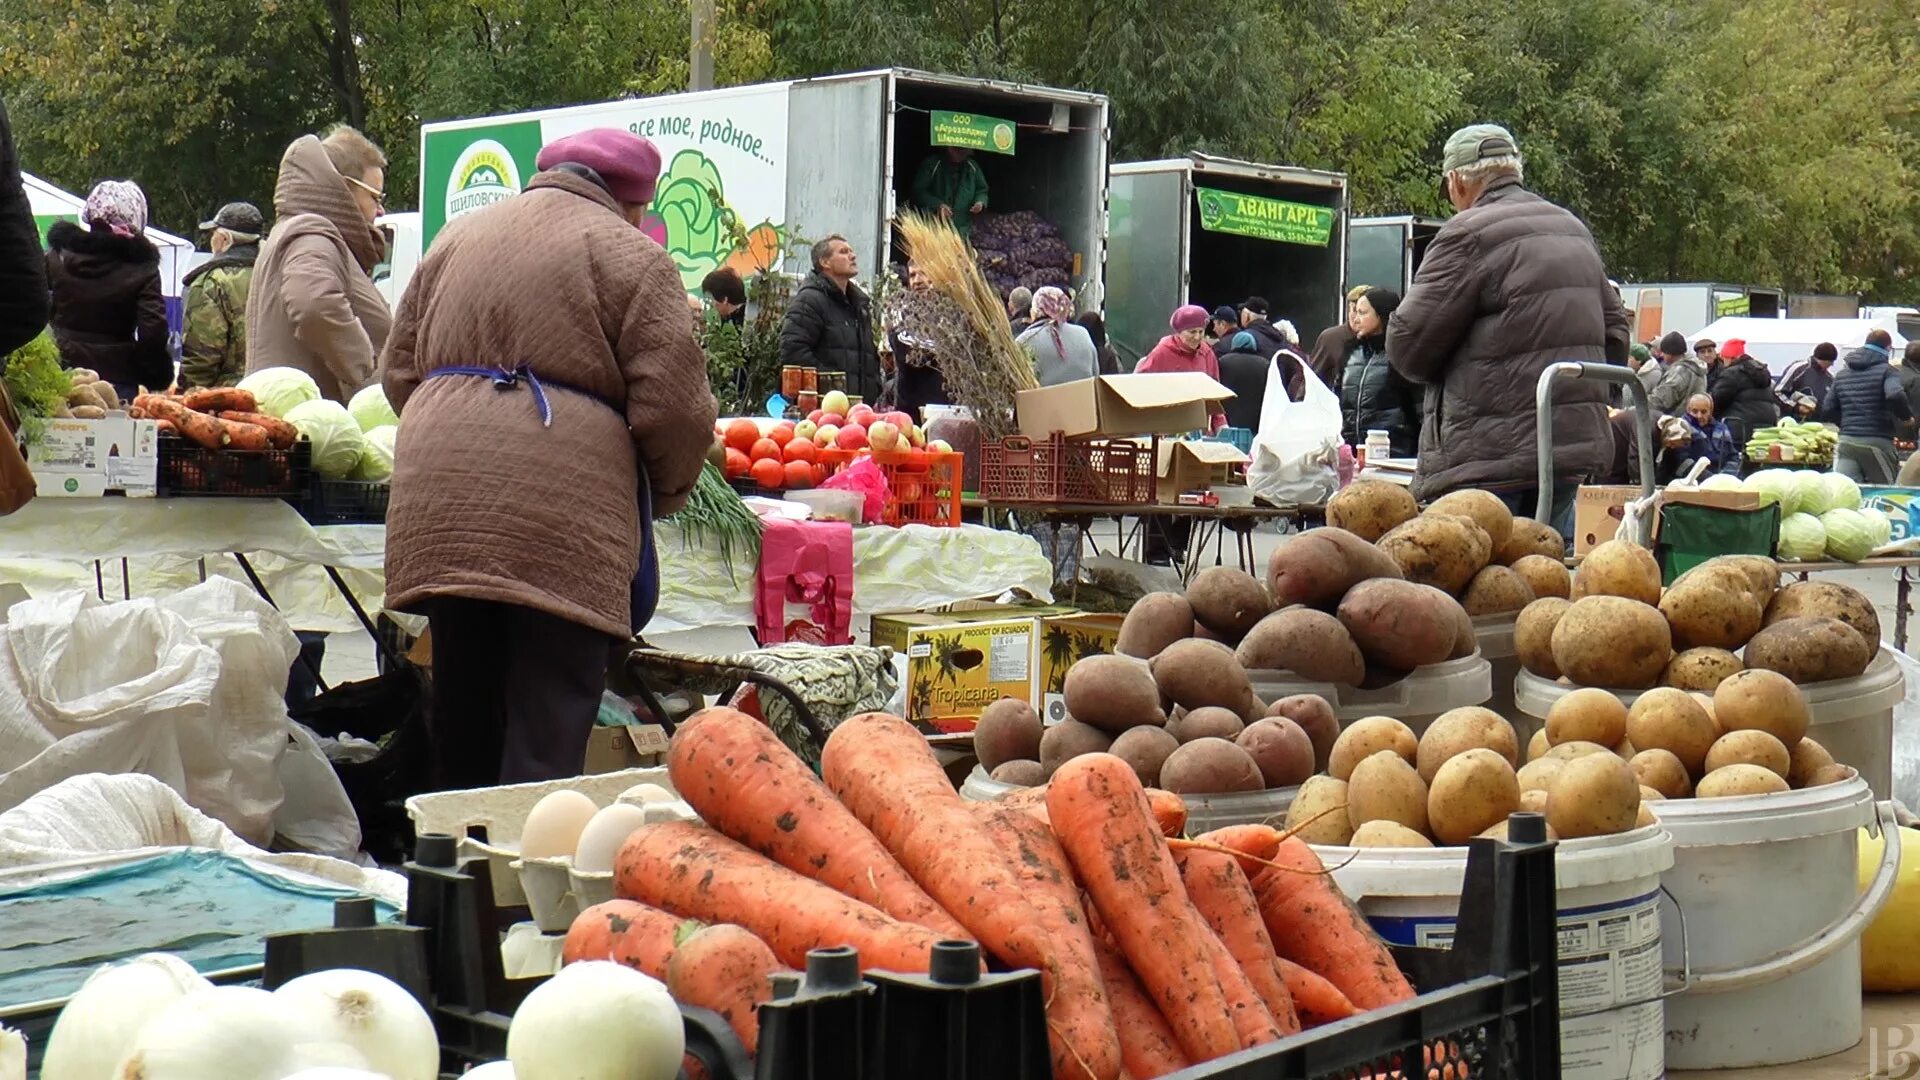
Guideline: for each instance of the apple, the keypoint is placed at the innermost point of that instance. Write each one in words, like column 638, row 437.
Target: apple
column 805, row 429
column 815, row 415
column 825, row 435
column 940, row 446
column 834, row 401
column 883, row 436
column 863, row 416
column 851, row 437
column 900, row 420
column 915, row 435
column 832, row 419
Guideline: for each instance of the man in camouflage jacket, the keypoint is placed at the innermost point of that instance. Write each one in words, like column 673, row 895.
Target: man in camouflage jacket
column 214, row 351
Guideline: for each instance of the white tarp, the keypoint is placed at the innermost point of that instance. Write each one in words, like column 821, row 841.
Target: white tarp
column 50, row 202
column 1778, row 343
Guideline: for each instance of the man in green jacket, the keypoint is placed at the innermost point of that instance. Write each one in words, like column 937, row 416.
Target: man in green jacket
column 951, row 185
column 214, row 347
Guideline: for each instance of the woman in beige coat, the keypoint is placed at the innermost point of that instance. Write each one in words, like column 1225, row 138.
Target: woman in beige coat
column 552, row 399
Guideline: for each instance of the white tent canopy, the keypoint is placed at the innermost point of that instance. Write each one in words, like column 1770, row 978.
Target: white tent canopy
column 51, row 204
column 1778, row 343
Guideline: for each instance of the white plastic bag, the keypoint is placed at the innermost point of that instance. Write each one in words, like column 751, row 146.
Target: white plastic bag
column 316, row 814
column 1296, row 452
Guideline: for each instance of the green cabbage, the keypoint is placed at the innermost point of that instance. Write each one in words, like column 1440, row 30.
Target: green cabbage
column 1849, row 534
column 1802, row 537
column 1722, row 482
column 370, row 409
column 1842, row 491
column 1774, row 486
column 376, row 459
column 278, row 389
column 1882, row 524
column 1812, row 496
column 336, row 438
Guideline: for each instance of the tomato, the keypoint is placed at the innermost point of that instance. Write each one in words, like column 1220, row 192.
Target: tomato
column 742, row 434
column 801, row 450
column 764, row 450
column 769, row 473
column 737, row 464
column 799, row 474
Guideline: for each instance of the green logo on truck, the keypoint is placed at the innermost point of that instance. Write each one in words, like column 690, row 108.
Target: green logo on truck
column 483, row 174
column 1264, row 219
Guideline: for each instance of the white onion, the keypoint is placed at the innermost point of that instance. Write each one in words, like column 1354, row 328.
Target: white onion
column 335, row 1072
column 371, row 1013
column 13, row 1055
column 225, row 1033
column 100, row 1021
column 596, row 1020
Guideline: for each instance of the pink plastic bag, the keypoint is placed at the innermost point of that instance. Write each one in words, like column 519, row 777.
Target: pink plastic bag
column 805, row 587
column 863, row 478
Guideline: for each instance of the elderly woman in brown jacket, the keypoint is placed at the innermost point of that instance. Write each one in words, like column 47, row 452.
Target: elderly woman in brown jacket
column 552, row 401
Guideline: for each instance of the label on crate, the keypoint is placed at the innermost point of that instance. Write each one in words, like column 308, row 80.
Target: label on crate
column 1009, row 657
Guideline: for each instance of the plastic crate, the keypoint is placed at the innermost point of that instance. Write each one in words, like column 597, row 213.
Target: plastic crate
column 1121, row 472
column 345, row 502
column 1239, row 438
column 923, row 486
column 189, row 470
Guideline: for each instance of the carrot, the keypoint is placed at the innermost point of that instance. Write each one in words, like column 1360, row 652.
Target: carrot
column 165, row 427
column 728, row 970
column 634, row 934
column 1169, row 811
column 195, row 427
column 1256, row 842
column 1148, row 1046
column 1318, row 1001
column 744, row 781
column 1224, row 897
column 1251, row 1019
column 1080, row 1024
column 1101, row 816
column 280, row 434
column 245, row 436
column 216, row 399
column 885, row 772
column 693, row 871
column 1031, row 800
column 1314, row 924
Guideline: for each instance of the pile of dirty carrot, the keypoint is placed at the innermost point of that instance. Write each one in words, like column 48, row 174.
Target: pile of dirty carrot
column 1156, row 952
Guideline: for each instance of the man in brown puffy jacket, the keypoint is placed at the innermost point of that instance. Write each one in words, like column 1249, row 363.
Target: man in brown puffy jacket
column 1509, row 286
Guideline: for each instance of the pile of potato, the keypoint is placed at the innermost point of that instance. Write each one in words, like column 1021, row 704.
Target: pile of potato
column 1466, row 544
column 1620, row 630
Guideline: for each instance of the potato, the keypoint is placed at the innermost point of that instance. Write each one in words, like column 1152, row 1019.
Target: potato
column 1806, row 758
column 1400, row 625
column 1316, row 718
column 1546, row 577
column 1458, row 730
column 1022, row 773
column 1619, row 568
column 1646, row 817
column 1156, row 621
column 1830, row 600
column 1567, row 751
column 1199, row 673
column 1364, row 561
column 1496, row 590
column 1740, row 779
column 1749, row 748
column 1533, row 635
column 1281, row 749
column 1318, row 813
column 1312, row 644
column 1470, row 793
column 1206, row 722
column 1537, row 746
column 1810, row 649
column 1481, row 550
column 1700, row 669
column 1387, row 834
column 1437, row 550
column 1673, row 721
column 1662, row 771
column 1465, row 641
column 1534, row 801
column 1703, row 612
column 1368, row 508
column 1595, row 795
column 1648, row 794
column 1368, row 736
column 1483, row 509
column 1228, row 601
column 1145, row 749
column 1831, row 774
column 1113, row 693
column 1587, row 715
column 1624, row 750
column 1757, row 700
column 1530, row 537
column 1210, row 767
column 1612, row 642
column 1538, row 775
column 1385, row 788
column 1317, row 567
column 1008, row 730
column 1706, row 702
column 1067, row 740
column 1499, row 831
column 1762, row 574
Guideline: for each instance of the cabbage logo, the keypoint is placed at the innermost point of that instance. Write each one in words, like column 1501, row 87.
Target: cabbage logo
column 484, row 174
column 688, row 216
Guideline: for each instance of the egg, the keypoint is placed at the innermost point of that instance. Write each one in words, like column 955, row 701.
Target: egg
column 647, row 793
column 554, row 825
column 600, row 841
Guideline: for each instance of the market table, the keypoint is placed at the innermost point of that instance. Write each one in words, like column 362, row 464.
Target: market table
column 1211, row 523
column 1890, row 1050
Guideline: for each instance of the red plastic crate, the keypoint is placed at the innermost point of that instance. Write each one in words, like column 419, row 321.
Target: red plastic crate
column 1018, row 469
column 923, row 486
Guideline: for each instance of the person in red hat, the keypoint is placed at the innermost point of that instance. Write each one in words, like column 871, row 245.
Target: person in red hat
column 552, row 403
column 1743, row 392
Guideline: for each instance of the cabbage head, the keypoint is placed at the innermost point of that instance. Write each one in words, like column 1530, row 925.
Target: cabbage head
column 1849, row 534
column 336, row 438
column 1813, row 496
column 1842, row 491
column 278, row 389
column 376, row 460
column 1774, row 486
column 1722, row 482
column 1882, row 524
column 370, row 409
column 1802, row 537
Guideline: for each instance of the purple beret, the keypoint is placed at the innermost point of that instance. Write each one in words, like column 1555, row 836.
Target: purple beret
column 1189, row 317
column 628, row 163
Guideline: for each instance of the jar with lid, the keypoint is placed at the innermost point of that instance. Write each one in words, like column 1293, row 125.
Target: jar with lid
column 792, row 381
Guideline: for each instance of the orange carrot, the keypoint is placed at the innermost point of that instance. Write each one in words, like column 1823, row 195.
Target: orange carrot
column 693, row 871
column 1318, row 1001
column 1224, row 897
column 1031, row 800
column 1101, row 816
column 1314, row 924
column 1251, row 1019
column 1256, row 842
column 633, row 934
column 244, row 436
column 744, row 781
column 195, row 427
column 215, row 399
column 1079, row 1022
column 1169, row 811
column 280, row 434
column 885, row 772
column 1148, row 1045
column 728, row 970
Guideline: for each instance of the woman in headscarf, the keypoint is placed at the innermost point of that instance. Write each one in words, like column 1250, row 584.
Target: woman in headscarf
column 1062, row 351
column 108, row 314
column 1372, row 394
column 924, row 327
column 1186, row 350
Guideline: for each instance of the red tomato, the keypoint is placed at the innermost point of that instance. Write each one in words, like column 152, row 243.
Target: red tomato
column 765, row 450
column 801, row 450
column 742, row 434
column 768, row 473
column 737, row 464
column 782, row 433
column 799, row 474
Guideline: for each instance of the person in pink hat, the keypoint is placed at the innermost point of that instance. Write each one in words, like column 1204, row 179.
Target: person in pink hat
column 1186, row 349
column 552, row 403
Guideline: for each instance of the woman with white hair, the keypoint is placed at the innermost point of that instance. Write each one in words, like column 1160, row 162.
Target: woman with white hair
column 104, row 278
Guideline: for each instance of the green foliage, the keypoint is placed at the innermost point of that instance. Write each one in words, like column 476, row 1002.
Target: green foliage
column 37, row 384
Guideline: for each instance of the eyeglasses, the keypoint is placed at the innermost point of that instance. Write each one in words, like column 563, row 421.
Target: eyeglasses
column 379, row 197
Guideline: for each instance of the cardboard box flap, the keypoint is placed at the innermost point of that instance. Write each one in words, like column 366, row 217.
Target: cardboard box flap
column 1203, row 452
column 1159, row 390
column 1119, row 405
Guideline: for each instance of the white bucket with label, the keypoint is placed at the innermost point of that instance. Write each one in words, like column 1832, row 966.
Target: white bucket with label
column 1205, row 813
column 1768, row 962
column 1494, row 634
column 1415, row 700
column 1609, row 901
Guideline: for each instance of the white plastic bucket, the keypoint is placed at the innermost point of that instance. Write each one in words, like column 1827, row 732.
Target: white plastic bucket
column 1767, row 960
column 1852, row 718
column 1205, row 813
column 1609, row 900
column 1494, row 634
column 1415, row 700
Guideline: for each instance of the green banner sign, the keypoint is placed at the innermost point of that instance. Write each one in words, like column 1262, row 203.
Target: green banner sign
column 1724, row 306
column 1265, row 219
column 972, row 131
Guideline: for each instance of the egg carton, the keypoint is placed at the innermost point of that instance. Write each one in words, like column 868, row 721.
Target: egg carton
column 557, row 891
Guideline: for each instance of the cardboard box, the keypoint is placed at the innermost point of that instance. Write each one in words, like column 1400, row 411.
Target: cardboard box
column 1195, row 465
column 1064, row 640
column 956, row 669
column 610, row 749
column 1117, row 405
column 891, row 629
column 1719, row 500
column 87, row 458
column 1596, row 513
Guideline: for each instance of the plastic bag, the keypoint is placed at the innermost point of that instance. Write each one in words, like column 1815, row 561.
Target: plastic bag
column 1296, row 453
column 863, row 478
column 315, row 815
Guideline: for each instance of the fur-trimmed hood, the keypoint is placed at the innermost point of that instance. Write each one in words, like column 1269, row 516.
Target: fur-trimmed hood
column 95, row 251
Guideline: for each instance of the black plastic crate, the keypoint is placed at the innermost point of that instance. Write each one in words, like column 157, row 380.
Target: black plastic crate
column 345, row 502
column 189, row 470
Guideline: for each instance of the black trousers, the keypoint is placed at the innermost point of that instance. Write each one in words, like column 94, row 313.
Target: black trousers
column 515, row 693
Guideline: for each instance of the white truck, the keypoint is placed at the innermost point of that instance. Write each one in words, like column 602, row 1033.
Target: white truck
column 1688, row 307
column 1385, row 252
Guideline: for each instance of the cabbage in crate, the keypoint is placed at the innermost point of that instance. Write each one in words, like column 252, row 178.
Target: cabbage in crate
column 376, row 461
column 279, row 390
column 1775, row 486
column 370, row 408
column 1850, row 534
column 336, row 437
column 1802, row 538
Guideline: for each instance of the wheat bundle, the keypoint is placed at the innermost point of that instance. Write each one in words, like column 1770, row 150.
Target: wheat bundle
column 984, row 375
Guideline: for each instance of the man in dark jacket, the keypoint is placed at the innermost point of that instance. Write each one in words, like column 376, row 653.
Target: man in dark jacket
column 1811, row 377
column 23, row 268
column 1244, row 371
column 1868, row 404
column 1509, row 286
column 1743, row 395
column 829, row 323
column 1253, row 319
column 213, row 350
